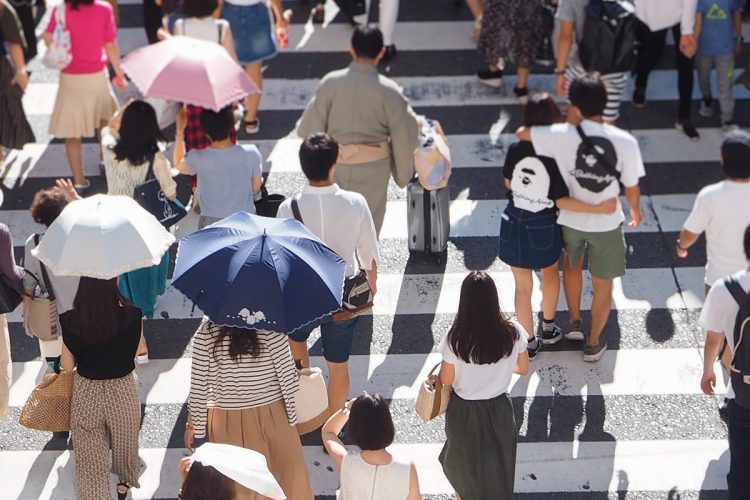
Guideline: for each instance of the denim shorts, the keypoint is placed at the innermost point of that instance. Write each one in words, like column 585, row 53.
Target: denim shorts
column 529, row 240
column 252, row 30
column 336, row 336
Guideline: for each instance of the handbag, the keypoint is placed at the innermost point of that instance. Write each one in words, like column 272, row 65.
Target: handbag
column 433, row 397
column 311, row 401
column 150, row 196
column 357, row 296
column 432, row 159
column 48, row 406
column 10, row 297
column 42, row 319
column 268, row 204
column 59, row 53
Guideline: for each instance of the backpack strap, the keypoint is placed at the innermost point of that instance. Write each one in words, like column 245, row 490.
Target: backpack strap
column 45, row 276
column 295, row 209
column 602, row 159
column 740, row 296
column 60, row 15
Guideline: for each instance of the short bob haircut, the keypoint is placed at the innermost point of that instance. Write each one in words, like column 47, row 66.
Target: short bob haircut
column 217, row 125
column 370, row 424
column 317, row 155
column 203, row 482
column 47, row 206
column 588, row 93
column 367, row 42
column 199, row 8
column 542, row 109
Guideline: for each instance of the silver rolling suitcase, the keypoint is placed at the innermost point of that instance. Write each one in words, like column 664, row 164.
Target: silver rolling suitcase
column 428, row 218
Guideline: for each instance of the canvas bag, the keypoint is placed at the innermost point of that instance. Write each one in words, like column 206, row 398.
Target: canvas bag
column 59, row 53
column 608, row 43
column 739, row 371
column 149, row 195
column 42, row 319
column 432, row 159
column 311, row 401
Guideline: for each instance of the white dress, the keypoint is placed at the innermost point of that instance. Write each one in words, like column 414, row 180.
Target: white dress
column 363, row 481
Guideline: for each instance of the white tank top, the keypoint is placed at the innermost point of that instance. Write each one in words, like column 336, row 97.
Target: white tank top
column 204, row 28
column 362, row 481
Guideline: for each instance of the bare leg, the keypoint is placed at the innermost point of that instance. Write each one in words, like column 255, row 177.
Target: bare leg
column 253, row 102
column 573, row 284
column 600, row 307
column 524, row 286
column 338, row 386
column 550, row 291
column 75, row 159
column 142, row 346
column 523, row 77
column 476, row 7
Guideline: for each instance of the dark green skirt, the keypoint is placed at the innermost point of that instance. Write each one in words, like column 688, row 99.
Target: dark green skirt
column 479, row 455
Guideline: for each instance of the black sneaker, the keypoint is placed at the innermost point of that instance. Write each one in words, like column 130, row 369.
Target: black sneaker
column 594, row 352
column 575, row 330
column 639, row 97
column 491, row 78
column 552, row 335
column 687, row 128
column 390, row 53
column 533, row 348
column 521, row 94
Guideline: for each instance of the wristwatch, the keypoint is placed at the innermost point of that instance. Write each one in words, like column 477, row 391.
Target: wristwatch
column 559, row 72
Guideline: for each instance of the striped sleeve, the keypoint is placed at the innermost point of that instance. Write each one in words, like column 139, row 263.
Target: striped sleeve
column 285, row 371
column 197, row 399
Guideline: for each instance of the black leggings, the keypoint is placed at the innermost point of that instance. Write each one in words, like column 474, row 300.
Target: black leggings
column 152, row 16
column 651, row 47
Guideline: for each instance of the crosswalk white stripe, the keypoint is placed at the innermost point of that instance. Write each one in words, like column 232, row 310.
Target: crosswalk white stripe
column 398, row 376
column 638, row 290
column 469, row 218
column 456, row 91
column 540, row 467
column 282, row 156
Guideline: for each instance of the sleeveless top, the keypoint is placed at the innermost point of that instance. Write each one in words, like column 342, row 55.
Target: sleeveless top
column 362, row 481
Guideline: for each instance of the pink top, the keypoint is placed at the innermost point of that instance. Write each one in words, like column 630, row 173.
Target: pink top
column 91, row 27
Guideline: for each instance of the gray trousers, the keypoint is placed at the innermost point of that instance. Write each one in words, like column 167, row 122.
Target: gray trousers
column 724, row 66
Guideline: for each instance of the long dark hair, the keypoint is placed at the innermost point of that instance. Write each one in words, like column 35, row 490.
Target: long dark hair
column 481, row 334
column 203, row 482
column 241, row 341
column 139, row 134
column 95, row 309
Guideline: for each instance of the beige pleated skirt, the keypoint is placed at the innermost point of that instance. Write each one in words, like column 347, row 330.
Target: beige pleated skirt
column 83, row 102
column 266, row 430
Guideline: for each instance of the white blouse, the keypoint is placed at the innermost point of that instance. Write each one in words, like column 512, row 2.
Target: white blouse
column 122, row 177
column 363, row 481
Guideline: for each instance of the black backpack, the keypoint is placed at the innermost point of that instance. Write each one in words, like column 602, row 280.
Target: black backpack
column 740, row 369
column 608, row 43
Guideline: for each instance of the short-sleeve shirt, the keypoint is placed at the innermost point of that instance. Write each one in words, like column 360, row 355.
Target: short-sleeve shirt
column 717, row 32
column 482, row 382
column 535, row 181
column 587, row 179
column 91, row 27
column 722, row 211
column 720, row 311
column 113, row 358
column 225, row 177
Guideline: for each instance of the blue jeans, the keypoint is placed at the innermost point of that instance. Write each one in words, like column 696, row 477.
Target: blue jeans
column 336, row 336
column 738, row 423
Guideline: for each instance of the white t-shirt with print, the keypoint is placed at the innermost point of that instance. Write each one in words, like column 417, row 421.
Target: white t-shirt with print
column 720, row 310
column 722, row 210
column 586, row 179
column 482, row 382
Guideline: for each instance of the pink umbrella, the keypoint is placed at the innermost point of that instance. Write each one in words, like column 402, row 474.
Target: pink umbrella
column 190, row 71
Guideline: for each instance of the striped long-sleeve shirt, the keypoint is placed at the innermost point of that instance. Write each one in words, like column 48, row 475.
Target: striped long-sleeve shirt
column 218, row 381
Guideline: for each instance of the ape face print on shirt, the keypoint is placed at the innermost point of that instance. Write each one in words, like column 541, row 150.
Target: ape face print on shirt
column 590, row 173
column 530, row 185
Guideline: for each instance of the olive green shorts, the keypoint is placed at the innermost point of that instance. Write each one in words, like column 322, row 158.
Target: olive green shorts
column 606, row 251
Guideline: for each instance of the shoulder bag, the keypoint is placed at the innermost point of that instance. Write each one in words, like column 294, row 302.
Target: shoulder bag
column 42, row 319
column 59, row 53
column 357, row 293
column 311, row 401
column 48, row 406
column 433, row 397
column 149, row 195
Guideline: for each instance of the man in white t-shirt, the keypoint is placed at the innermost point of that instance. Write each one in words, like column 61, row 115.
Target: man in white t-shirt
column 722, row 211
column 718, row 319
column 594, row 159
column 342, row 220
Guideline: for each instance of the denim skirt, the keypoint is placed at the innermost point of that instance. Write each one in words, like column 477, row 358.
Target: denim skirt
column 252, row 30
column 529, row 240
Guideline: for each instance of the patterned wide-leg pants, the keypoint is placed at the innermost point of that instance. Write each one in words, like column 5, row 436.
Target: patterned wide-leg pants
column 105, row 414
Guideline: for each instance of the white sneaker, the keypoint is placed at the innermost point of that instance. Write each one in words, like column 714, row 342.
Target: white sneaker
column 706, row 110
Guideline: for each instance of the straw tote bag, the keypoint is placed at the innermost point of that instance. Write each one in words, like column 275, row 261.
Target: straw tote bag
column 433, row 397
column 48, row 406
column 311, row 400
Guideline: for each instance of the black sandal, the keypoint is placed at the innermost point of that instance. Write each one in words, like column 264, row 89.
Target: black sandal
column 120, row 494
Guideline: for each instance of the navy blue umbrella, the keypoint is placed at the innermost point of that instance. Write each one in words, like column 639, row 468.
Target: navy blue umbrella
column 259, row 272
